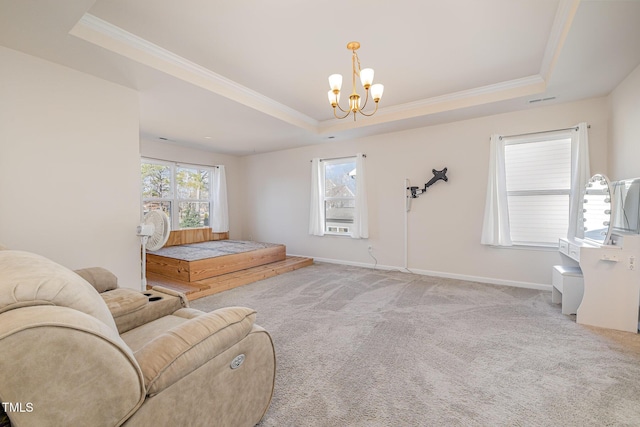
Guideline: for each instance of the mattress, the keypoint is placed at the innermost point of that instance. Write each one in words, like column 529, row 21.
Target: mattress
column 212, row 249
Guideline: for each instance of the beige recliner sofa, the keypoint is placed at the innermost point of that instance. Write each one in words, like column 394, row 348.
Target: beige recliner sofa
column 72, row 356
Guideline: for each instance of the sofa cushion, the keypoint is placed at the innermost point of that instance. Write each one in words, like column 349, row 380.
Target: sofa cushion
column 28, row 279
column 100, row 278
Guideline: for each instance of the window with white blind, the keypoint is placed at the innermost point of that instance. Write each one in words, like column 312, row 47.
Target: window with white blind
column 538, row 183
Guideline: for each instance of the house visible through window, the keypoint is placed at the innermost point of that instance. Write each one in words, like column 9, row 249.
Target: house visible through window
column 339, row 195
column 181, row 191
column 538, row 184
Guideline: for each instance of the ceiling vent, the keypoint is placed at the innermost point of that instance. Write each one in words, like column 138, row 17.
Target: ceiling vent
column 533, row 101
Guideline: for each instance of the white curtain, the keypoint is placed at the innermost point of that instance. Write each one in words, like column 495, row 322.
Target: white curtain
column 361, row 215
column 495, row 229
column 219, row 205
column 316, row 206
column 579, row 177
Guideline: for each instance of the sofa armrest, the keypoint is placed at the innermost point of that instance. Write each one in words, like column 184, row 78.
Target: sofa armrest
column 183, row 349
column 183, row 298
column 72, row 368
column 156, row 304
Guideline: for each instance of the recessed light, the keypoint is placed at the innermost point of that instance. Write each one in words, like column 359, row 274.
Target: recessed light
column 163, row 138
column 330, row 137
column 207, row 137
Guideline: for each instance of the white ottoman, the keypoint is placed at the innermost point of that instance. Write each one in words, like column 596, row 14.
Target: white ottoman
column 568, row 288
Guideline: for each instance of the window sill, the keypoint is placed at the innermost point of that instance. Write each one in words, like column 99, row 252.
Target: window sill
column 551, row 248
column 337, row 234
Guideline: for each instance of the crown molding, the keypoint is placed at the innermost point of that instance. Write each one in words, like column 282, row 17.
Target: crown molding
column 562, row 23
column 467, row 98
column 108, row 36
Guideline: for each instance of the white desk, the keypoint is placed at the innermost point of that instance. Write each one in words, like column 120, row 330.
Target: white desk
column 611, row 283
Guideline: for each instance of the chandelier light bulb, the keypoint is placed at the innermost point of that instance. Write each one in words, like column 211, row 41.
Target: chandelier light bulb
column 376, row 92
column 335, row 82
column 366, row 77
column 334, row 98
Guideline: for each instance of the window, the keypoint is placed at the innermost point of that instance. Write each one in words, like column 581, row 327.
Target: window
column 538, row 183
column 339, row 195
column 181, row 191
column 535, row 187
column 338, row 203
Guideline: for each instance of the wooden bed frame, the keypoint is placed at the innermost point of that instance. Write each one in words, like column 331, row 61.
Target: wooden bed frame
column 192, row 271
column 211, row 275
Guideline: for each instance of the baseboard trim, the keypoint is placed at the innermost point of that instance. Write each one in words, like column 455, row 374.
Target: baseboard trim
column 479, row 279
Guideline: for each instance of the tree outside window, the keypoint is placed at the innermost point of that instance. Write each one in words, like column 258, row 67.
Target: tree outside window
column 181, row 191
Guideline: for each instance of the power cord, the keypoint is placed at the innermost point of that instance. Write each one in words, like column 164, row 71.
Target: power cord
column 374, row 258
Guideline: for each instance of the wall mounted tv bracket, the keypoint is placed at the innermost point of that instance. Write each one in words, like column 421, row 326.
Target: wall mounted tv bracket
column 437, row 175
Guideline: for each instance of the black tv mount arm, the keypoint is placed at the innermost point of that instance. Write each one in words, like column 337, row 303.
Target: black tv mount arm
column 437, row 175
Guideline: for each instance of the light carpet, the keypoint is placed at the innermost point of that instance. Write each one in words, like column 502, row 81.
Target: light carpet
column 363, row 347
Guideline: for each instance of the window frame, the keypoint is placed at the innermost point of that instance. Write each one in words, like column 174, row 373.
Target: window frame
column 174, row 200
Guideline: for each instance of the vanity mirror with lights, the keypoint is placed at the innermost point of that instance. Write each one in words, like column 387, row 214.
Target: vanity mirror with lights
column 597, row 210
column 608, row 254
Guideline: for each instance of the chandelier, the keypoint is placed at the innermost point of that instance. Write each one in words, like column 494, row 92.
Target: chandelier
column 366, row 78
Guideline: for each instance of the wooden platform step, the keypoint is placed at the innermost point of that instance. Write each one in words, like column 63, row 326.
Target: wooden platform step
column 213, row 285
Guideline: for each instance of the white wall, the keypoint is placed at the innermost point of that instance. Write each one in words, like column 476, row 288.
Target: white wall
column 234, row 174
column 69, row 166
column 444, row 224
column 624, row 128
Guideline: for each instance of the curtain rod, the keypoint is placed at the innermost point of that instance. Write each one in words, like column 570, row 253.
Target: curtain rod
column 543, row 131
column 179, row 163
column 339, row 158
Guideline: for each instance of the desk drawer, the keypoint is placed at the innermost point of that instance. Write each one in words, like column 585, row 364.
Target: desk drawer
column 570, row 249
column 574, row 252
column 563, row 247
